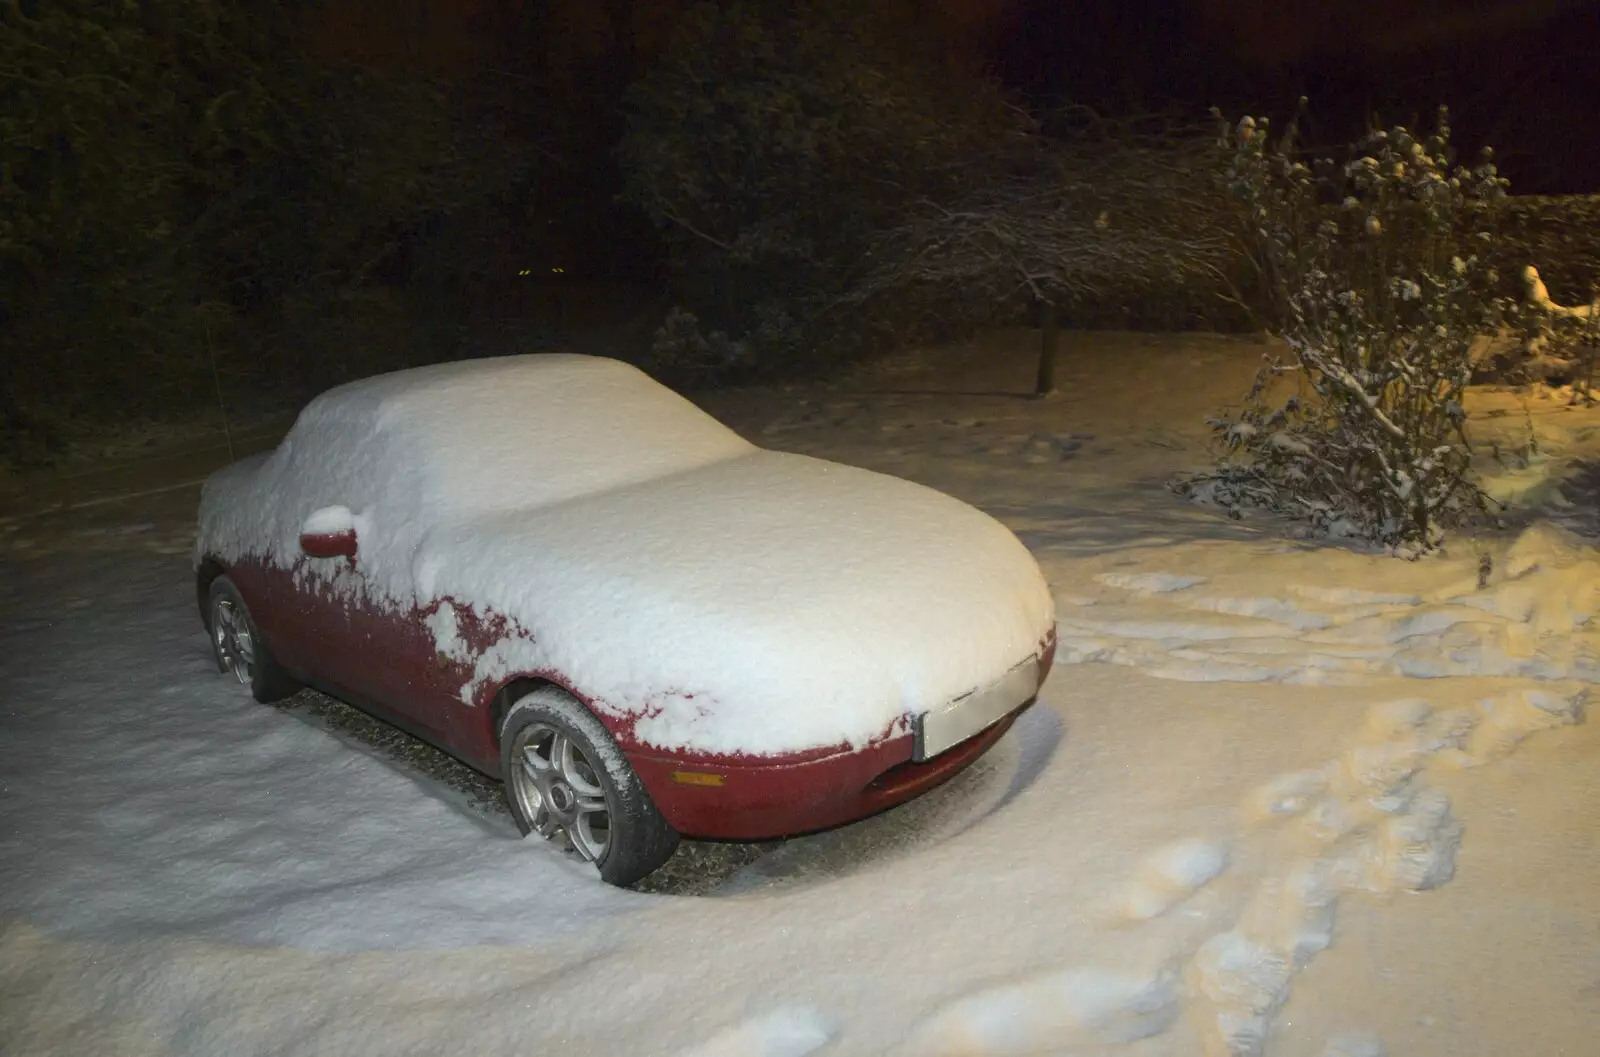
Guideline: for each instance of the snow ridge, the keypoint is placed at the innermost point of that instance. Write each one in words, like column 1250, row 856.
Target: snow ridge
column 1536, row 620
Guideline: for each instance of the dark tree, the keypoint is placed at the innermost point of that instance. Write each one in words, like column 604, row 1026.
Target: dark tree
column 1094, row 217
column 185, row 186
column 772, row 141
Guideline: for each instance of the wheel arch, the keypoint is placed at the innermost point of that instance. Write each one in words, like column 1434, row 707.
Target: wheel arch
column 512, row 690
column 640, row 837
column 205, row 575
column 519, row 686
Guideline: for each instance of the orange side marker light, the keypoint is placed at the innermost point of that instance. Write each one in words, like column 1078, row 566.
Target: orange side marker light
column 700, row 778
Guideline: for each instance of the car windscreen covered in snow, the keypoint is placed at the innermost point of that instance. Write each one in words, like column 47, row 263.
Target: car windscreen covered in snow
column 502, row 434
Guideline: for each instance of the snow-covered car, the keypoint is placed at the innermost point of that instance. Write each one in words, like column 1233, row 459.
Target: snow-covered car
column 576, row 581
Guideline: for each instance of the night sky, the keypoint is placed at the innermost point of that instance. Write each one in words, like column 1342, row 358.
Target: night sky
column 1521, row 75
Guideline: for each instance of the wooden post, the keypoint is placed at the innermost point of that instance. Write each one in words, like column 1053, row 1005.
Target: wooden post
column 1049, row 341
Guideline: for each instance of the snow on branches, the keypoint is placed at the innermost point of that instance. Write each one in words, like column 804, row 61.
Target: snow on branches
column 1378, row 269
column 1105, row 209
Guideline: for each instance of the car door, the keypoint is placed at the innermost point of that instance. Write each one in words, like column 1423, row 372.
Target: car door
column 358, row 644
column 455, row 639
column 316, row 608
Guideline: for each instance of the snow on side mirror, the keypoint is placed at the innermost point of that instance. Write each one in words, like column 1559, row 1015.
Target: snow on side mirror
column 329, row 533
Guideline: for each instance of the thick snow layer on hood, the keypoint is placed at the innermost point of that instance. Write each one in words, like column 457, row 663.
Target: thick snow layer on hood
column 724, row 598
column 763, row 604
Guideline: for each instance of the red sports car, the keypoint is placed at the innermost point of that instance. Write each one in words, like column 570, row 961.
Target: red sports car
column 576, row 581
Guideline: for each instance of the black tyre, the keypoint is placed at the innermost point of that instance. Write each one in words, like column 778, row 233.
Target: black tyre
column 564, row 774
column 240, row 648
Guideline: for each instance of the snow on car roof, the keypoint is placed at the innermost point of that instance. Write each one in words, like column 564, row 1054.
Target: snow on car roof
column 515, row 431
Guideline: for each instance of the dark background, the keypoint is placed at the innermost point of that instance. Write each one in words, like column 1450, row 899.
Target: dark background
column 1518, row 74
column 262, row 199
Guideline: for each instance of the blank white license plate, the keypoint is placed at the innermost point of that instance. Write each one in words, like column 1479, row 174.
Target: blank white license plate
column 944, row 728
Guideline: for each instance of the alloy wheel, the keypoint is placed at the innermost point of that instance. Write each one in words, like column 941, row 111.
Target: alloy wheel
column 558, row 789
column 236, row 646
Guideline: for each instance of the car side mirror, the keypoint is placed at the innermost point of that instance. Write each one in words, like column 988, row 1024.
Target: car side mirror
column 329, row 533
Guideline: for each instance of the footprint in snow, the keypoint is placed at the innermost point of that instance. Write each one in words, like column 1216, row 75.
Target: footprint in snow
column 1354, row 1044
column 1044, row 1014
column 1150, row 583
column 1372, row 826
column 1240, row 978
column 787, row 1032
column 1285, row 796
column 1413, row 850
column 1364, row 823
column 1508, row 719
column 1170, row 875
column 1245, row 983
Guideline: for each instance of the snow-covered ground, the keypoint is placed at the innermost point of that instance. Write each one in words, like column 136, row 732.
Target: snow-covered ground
column 1279, row 798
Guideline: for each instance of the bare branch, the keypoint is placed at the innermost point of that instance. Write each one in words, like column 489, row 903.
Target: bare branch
column 1091, row 220
column 696, row 232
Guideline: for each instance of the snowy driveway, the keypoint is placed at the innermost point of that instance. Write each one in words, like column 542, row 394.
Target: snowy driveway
column 1289, row 801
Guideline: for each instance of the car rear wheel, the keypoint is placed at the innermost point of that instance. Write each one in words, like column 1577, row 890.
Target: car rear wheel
column 564, row 774
column 240, row 649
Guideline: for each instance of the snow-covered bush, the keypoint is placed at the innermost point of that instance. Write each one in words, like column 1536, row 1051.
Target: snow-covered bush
column 681, row 347
column 1379, row 277
column 1562, row 340
column 1558, row 233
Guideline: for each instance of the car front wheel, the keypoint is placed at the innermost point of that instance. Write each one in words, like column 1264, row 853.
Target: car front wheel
column 564, row 774
column 239, row 647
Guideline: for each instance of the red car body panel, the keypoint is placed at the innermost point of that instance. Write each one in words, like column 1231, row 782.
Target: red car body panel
column 768, row 797
column 386, row 663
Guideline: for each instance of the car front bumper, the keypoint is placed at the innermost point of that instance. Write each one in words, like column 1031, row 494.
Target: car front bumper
column 762, row 799
column 774, row 800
